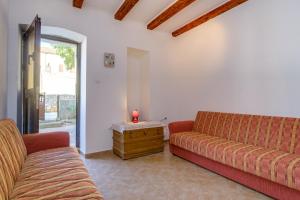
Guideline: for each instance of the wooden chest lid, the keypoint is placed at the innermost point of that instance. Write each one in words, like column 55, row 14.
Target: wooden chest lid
column 126, row 126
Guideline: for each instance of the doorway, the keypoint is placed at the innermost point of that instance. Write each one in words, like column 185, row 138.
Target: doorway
column 50, row 83
column 59, row 88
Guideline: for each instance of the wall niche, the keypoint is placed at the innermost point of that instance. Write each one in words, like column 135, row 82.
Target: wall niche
column 138, row 87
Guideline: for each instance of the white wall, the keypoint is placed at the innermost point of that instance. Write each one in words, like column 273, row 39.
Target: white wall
column 246, row 61
column 106, row 87
column 3, row 55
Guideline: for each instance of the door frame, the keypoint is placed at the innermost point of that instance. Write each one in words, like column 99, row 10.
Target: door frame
column 78, row 78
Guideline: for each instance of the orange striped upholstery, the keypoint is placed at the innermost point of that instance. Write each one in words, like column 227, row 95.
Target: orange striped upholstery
column 281, row 133
column 272, row 164
column 51, row 174
column 265, row 146
column 54, row 174
column 12, row 156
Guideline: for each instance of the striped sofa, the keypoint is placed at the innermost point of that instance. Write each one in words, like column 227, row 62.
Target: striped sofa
column 261, row 152
column 41, row 166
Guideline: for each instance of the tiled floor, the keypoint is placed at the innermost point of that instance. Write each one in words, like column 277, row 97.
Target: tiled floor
column 162, row 176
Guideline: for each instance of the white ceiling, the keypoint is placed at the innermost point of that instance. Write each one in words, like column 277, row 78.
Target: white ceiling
column 146, row 10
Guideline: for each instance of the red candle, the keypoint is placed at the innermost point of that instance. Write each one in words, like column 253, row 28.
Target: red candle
column 135, row 116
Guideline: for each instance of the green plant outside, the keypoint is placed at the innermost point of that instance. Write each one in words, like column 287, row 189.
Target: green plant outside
column 67, row 54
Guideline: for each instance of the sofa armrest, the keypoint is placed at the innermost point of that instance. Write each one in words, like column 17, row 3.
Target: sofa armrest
column 181, row 126
column 43, row 141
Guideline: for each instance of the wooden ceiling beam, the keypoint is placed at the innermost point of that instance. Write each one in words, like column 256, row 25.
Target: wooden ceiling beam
column 78, row 3
column 210, row 15
column 169, row 12
column 125, row 8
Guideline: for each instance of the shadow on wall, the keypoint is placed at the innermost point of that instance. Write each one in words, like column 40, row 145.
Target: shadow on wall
column 3, row 56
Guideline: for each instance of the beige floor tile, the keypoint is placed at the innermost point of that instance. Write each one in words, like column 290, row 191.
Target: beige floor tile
column 162, row 176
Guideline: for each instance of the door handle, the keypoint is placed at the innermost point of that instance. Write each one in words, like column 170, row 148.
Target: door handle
column 31, row 56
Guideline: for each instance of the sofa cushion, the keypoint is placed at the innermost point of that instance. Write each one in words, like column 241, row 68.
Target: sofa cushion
column 54, row 174
column 280, row 133
column 12, row 156
column 277, row 166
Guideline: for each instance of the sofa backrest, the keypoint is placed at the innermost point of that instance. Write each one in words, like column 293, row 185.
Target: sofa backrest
column 281, row 133
column 12, row 156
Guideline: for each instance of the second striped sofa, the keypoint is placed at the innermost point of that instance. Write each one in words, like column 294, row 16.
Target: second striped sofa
column 262, row 152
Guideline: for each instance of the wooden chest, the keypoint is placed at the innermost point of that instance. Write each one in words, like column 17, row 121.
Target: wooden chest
column 139, row 142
